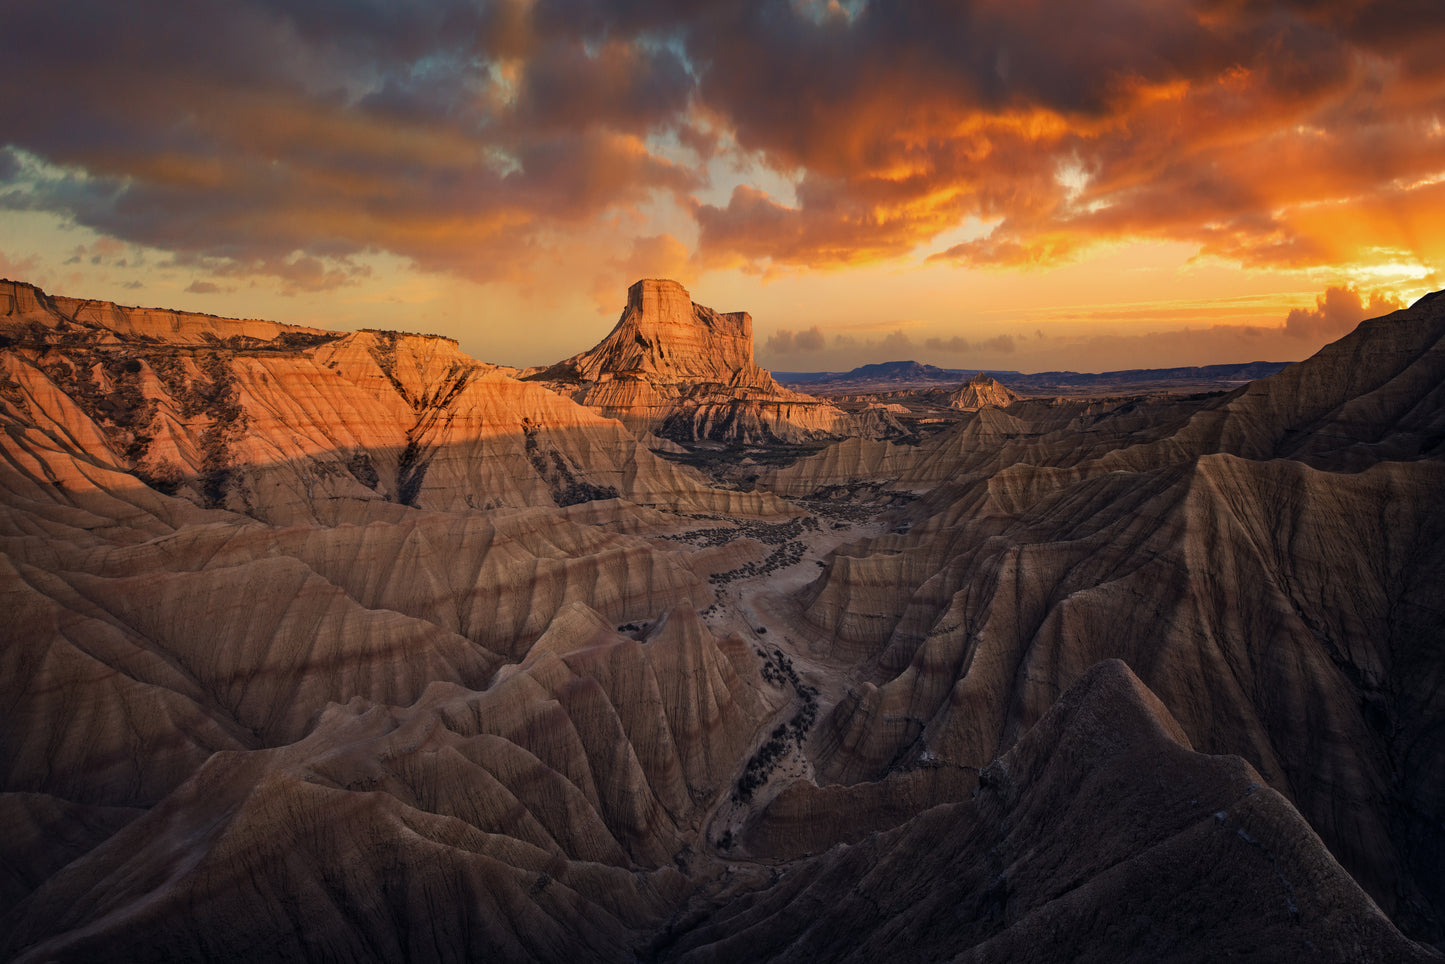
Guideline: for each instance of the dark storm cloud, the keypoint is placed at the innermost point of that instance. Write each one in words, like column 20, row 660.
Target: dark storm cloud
column 264, row 136
column 1174, row 116
column 627, row 86
column 465, row 135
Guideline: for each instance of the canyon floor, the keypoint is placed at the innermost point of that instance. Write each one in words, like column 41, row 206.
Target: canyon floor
column 346, row 646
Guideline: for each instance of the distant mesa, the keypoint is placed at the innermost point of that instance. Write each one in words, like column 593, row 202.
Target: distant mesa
column 904, row 370
column 889, row 375
column 895, row 376
column 685, row 372
column 980, row 391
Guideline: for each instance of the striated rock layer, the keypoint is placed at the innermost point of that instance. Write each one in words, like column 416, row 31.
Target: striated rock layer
column 685, row 372
column 345, row 647
column 298, row 425
column 1269, row 562
column 1099, row 836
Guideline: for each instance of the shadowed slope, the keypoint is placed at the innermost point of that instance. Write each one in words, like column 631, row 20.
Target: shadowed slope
column 1270, row 564
column 535, row 819
column 1099, row 837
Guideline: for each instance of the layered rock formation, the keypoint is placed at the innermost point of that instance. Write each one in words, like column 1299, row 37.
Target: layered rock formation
column 685, row 372
column 293, row 424
column 979, row 392
column 327, row 646
column 1267, row 561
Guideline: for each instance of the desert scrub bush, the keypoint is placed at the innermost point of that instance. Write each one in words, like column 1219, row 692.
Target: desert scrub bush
column 778, row 669
column 565, row 486
column 218, row 399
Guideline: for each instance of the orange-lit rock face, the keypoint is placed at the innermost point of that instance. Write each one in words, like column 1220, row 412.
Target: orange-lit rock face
column 663, row 333
column 281, row 421
column 684, row 371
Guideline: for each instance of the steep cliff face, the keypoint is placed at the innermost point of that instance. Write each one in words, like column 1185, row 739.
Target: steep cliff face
column 662, row 333
column 685, row 372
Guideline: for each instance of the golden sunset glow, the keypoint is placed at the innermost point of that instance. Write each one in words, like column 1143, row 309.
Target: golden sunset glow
column 974, row 175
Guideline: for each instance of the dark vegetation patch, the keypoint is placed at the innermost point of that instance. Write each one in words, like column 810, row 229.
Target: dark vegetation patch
column 737, row 465
column 383, row 351
column 561, row 373
column 363, row 469
column 302, row 340
column 411, row 472
column 705, row 538
column 286, row 342
column 566, row 486
column 854, row 502
column 106, row 381
column 778, row 670
column 783, row 536
column 216, row 395
column 163, row 476
column 103, row 372
column 69, row 333
column 456, row 378
column 106, row 385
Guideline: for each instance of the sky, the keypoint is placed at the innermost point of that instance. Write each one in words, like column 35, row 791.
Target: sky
column 1008, row 184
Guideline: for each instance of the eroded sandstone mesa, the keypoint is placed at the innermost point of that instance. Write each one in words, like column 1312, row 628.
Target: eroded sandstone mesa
column 980, row 391
column 282, row 422
column 683, row 371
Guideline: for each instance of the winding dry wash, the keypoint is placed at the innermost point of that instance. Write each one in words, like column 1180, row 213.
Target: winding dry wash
column 325, row 646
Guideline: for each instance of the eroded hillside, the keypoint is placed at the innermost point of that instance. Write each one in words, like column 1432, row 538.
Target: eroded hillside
column 345, row 646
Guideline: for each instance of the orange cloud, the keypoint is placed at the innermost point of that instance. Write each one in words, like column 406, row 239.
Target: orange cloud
column 285, row 144
column 1337, row 312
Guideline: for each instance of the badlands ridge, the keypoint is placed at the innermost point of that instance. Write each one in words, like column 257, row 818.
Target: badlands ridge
column 345, row 646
